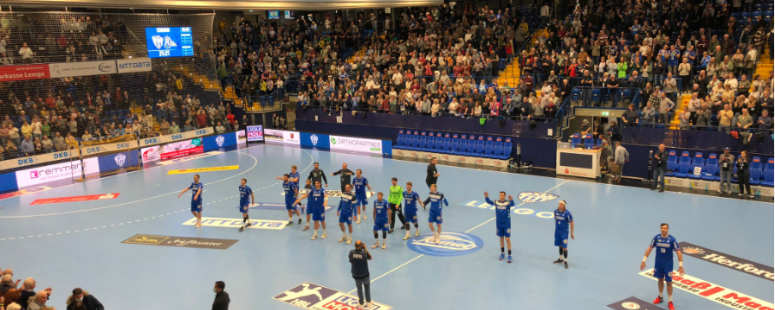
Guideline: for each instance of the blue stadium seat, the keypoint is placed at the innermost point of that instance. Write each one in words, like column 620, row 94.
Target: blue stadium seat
column 599, row 142
column 479, row 150
column 428, row 142
column 471, row 146
column 710, row 171
column 756, row 14
column 575, row 140
column 768, row 172
column 745, row 15
column 698, row 164
column 399, row 140
column 588, row 141
column 438, row 144
column 421, row 143
column 488, row 147
column 446, row 145
column 507, row 147
column 460, row 149
column 755, row 169
column 595, row 95
column 684, row 163
column 497, row 149
column 415, row 141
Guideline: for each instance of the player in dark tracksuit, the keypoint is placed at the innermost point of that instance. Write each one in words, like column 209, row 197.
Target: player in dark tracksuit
column 345, row 175
column 317, row 175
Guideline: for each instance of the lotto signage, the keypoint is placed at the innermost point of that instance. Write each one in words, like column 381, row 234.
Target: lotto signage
column 33, row 160
column 282, row 137
column 110, row 147
column 255, row 133
column 727, row 260
column 236, row 223
column 356, row 144
column 316, row 297
column 83, row 68
column 131, row 65
column 188, row 135
column 713, row 292
column 314, row 140
column 219, row 141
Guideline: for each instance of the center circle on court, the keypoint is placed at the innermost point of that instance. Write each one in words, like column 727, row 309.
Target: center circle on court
column 450, row 244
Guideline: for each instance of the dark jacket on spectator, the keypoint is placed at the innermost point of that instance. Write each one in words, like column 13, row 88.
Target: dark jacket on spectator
column 89, row 302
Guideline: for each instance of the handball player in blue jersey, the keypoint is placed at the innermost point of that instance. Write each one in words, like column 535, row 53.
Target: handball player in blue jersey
column 291, row 192
column 434, row 216
column 196, row 199
column 360, row 184
column 244, row 204
column 345, row 213
column 665, row 245
column 294, row 177
column 381, row 220
column 318, row 199
column 411, row 199
column 502, row 219
column 562, row 219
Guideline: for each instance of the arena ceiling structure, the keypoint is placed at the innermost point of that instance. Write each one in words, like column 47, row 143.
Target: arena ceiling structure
column 307, row 5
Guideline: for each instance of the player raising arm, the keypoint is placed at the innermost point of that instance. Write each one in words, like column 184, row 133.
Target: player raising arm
column 663, row 264
column 196, row 199
column 502, row 219
column 291, row 192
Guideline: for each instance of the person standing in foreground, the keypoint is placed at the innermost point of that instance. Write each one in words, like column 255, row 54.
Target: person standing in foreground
column 291, row 192
column 244, row 206
column 381, row 220
column 317, row 204
column 663, row 264
column 346, row 174
column 435, row 199
column 196, row 199
column 360, row 183
column 411, row 199
column 433, row 174
column 345, row 213
column 562, row 218
column 395, row 204
column 502, row 219
column 359, row 259
column 726, row 161
column 221, row 297
column 659, row 172
column 744, row 175
column 621, row 156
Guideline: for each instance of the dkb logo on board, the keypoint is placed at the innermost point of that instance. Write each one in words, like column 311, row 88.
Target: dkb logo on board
column 451, row 244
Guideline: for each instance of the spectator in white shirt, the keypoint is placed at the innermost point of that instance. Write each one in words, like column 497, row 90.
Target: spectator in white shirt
column 26, row 53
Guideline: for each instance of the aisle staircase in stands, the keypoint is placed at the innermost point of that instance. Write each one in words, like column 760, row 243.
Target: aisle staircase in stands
column 229, row 94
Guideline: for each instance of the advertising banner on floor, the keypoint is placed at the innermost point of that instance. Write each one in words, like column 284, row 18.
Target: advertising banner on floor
column 132, row 65
column 33, row 160
column 181, row 149
column 255, row 133
column 314, row 140
column 218, row 142
column 108, row 147
column 177, row 137
column 284, row 137
column 83, row 68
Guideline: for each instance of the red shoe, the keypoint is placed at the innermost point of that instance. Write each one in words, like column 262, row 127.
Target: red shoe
column 658, row 300
column 670, row 306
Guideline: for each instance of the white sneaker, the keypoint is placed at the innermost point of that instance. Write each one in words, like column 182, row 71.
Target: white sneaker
column 376, row 244
column 384, row 245
column 438, row 239
column 369, row 304
column 407, row 236
column 417, row 234
column 315, row 236
column 323, row 236
column 344, row 238
column 349, row 240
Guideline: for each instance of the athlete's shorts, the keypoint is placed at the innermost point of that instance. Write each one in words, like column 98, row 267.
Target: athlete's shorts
column 664, row 271
column 361, row 200
column 196, row 206
column 435, row 217
column 561, row 239
column 308, row 208
column 318, row 213
column 503, row 230
column 244, row 208
column 410, row 215
column 290, row 205
column 346, row 218
column 381, row 225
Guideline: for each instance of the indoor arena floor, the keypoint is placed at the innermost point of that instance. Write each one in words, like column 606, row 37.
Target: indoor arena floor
column 68, row 245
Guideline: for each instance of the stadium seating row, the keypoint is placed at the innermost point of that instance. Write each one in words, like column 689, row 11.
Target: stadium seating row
column 698, row 167
column 454, row 144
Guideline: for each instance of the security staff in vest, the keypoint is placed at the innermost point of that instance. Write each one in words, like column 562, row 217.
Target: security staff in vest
column 317, row 175
column 359, row 259
column 346, row 173
column 659, row 170
column 433, row 174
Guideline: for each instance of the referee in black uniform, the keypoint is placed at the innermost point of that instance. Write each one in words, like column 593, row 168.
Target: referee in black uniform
column 317, row 175
column 433, row 174
column 346, row 173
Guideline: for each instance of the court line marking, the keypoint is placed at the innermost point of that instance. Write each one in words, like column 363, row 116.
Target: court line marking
column 470, row 230
column 312, row 160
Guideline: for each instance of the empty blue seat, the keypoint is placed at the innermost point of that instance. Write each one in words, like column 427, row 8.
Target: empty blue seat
column 471, row 148
column 461, row 145
column 399, row 140
column 415, row 141
column 588, row 141
column 684, row 163
column 446, row 145
column 421, row 143
column 755, row 169
column 710, row 171
column 575, row 140
column 768, row 171
column 438, row 145
column 479, row 149
column 497, row 149
column 507, row 147
column 698, row 164
column 488, row 147
column 595, row 95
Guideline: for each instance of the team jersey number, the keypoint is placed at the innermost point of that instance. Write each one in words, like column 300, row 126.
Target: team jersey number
column 663, row 250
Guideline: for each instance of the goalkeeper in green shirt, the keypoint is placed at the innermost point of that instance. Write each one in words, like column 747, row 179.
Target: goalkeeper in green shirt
column 396, row 194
